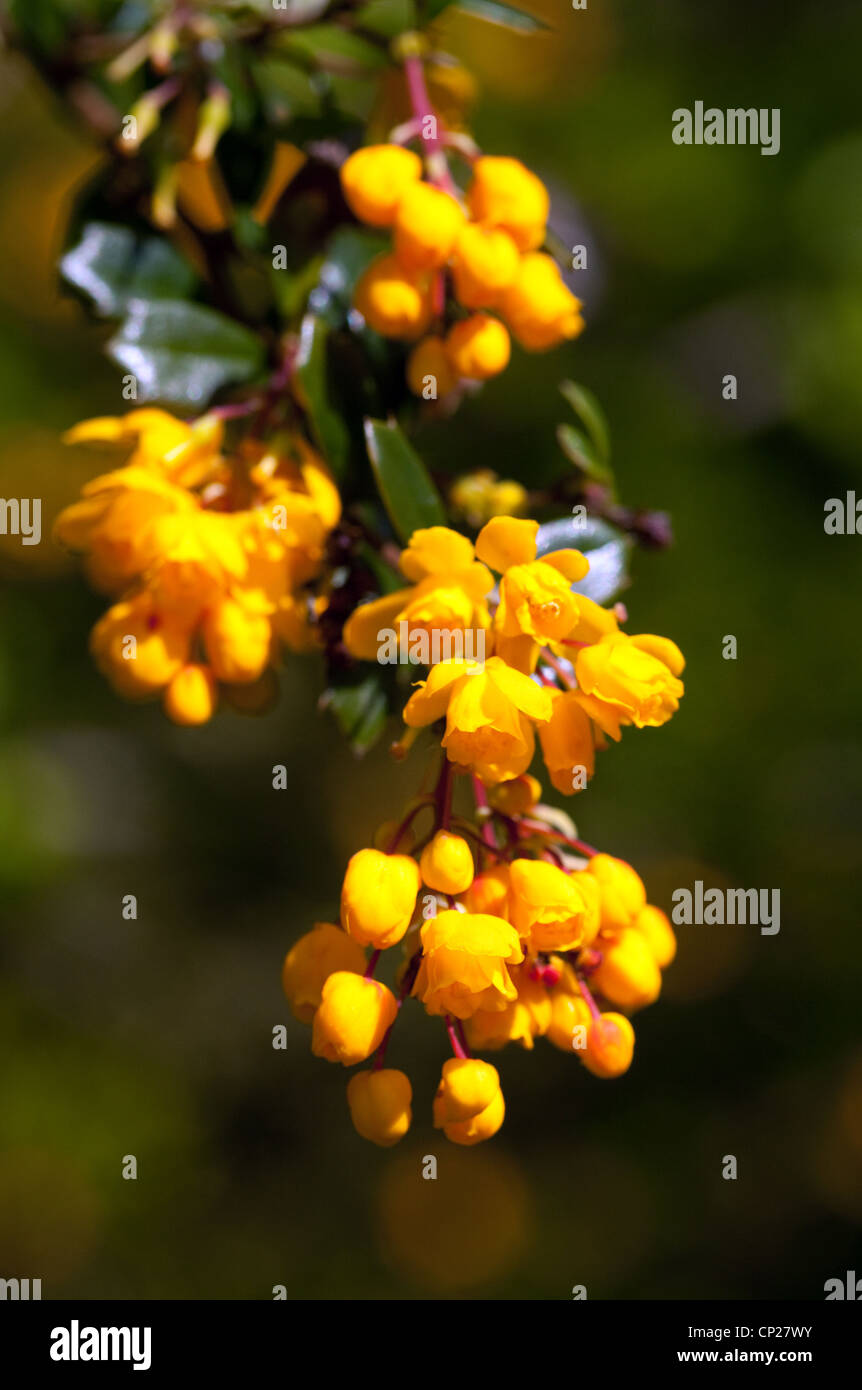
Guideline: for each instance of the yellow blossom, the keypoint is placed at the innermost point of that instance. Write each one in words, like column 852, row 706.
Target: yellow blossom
column 464, row 960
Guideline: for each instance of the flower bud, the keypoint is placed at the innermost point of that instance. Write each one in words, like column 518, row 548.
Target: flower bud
column 378, row 897
column 570, row 1020
column 622, row 892
column 426, row 225
column 628, row 974
column 478, row 347
column 517, row 796
column 237, row 641
column 191, row 696
column 489, row 891
column 504, row 193
column 467, row 1087
column 610, row 1046
column 375, row 179
column 481, row 1126
column 380, row 1105
column 654, row 926
column 485, row 263
column 429, row 359
column 352, row 1019
column 446, row 864
column 393, row 300
column 310, row 962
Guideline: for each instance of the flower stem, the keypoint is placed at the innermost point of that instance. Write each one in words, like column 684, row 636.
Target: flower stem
column 454, row 1039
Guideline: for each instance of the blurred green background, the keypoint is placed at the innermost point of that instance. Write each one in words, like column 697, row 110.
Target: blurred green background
column 154, row 1037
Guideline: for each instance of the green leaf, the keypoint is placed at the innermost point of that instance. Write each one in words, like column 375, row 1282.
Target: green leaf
column 591, row 415
column 581, row 452
column 287, row 91
column 387, row 17
column 496, row 13
column 334, row 49
column 183, row 353
column 325, row 416
column 360, row 710
column 606, row 548
column 112, row 264
column 406, row 490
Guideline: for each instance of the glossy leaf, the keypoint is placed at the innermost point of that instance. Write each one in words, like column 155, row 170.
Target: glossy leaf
column 183, row 353
column 360, row 710
column 405, row 487
column 111, row 265
column 507, row 15
column 387, row 17
column 324, row 414
column 606, row 548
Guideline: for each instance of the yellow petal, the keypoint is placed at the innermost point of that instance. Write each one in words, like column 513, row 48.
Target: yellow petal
column 433, row 550
column 528, row 697
column 570, row 563
column 506, row 541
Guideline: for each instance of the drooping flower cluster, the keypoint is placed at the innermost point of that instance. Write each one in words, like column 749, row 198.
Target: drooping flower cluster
column 464, row 271
column 510, row 929
column 535, row 631
column 211, row 556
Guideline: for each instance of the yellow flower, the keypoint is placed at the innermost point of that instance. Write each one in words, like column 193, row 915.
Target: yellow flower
column 488, row 712
column 311, row 960
column 567, row 742
column 183, row 452
column 551, row 909
column 113, row 523
column 622, row 893
column 448, row 596
column 536, row 599
column 191, row 696
column 139, row 647
column 353, row 1018
column 478, row 347
column 610, row 1045
column 393, row 300
column 539, row 307
column 526, row 1018
column 375, row 179
column 237, row 641
column 628, row 974
column 506, row 194
column 485, row 263
column 507, row 541
column 467, row 1087
column 630, row 680
column 464, row 959
column 446, row 863
column 380, row 1105
column 378, row 897
column 426, row 225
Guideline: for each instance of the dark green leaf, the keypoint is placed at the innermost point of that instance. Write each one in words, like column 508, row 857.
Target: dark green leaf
column 313, row 374
column 334, row 49
column 113, row 264
column 183, row 353
column 606, row 548
column 406, row 491
column 287, row 91
column 591, row 415
column 507, row 15
column 360, row 710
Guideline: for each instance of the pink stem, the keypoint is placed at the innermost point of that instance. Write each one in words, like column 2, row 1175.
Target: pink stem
column 422, row 108
column 453, row 1038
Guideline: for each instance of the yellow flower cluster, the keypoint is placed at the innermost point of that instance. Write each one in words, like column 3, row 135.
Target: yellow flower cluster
column 505, row 944
column 208, row 554
column 479, row 251
column 494, row 706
